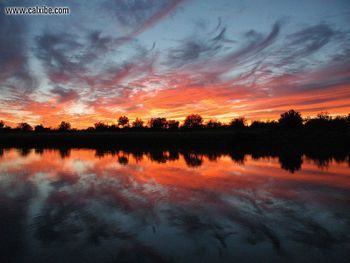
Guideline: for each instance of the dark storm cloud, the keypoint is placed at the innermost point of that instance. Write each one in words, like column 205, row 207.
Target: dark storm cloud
column 15, row 76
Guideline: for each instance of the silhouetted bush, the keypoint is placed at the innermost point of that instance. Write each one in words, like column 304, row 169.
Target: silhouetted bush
column 173, row 125
column 41, row 128
column 137, row 124
column 24, row 151
column 321, row 121
column 64, row 152
column 238, row 123
column 100, row 126
column 123, row 160
column 261, row 124
column 123, row 121
column 193, row 121
column 288, row 120
column 158, row 156
column 64, row 126
column 193, row 159
column 339, row 122
column 158, row 123
column 237, row 156
column 213, row 124
column 257, row 124
column 291, row 119
column 25, row 127
column 291, row 162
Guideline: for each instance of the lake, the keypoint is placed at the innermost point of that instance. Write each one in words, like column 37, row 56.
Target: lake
column 87, row 205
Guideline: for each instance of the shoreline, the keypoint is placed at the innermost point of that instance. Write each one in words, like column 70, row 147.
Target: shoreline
column 245, row 139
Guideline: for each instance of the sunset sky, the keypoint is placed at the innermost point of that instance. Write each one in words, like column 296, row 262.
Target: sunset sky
column 169, row 58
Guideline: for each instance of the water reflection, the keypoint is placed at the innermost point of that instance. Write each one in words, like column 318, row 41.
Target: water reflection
column 88, row 205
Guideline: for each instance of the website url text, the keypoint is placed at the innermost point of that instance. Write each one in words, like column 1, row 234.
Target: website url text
column 36, row 10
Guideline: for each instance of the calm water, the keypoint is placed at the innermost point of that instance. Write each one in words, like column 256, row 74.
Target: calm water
column 84, row 205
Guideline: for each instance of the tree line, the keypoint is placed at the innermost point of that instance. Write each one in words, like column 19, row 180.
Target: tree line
column 289, row 120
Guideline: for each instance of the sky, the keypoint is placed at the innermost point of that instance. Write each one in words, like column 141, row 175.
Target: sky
column 146, row 58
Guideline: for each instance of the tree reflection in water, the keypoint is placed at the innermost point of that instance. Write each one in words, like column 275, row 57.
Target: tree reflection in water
column 172, row 206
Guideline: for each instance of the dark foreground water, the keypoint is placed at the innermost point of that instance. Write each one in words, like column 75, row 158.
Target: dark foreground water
column 84, row 205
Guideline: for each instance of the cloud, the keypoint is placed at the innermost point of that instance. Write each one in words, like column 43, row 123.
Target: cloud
column 218, row 71
column 140, row 15
column 71, row 57
column 310, row 40
column 59, row 56
column 89, row 60
column 254, row 44
column 299, row 47
column 196, row 48
column 16, row 80
column 64, row 94
column 219, row 55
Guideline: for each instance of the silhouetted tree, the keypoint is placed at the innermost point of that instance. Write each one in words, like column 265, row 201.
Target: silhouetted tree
column 173, row 156
column 291, row 162
column 137, row 123
column 64, row 126
column 39, row 128
column 100, row 126
column 158, row 123
column 324, row 116
column 261, row 124
column 158, row 156
column 213, row 124
column 24, row 151
column 238, row 123
column 339, row 122
column 173, row 125
column 113, row 127
column 123, row 121
column 258, row 124
column 123, row 160
column 321, row 121
column 24, row 127
column 291, row 119
column 39, row 151
column 193, row 121
column 64, row 152
column 2, row 124
column 193, row 159
column 238, row 156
